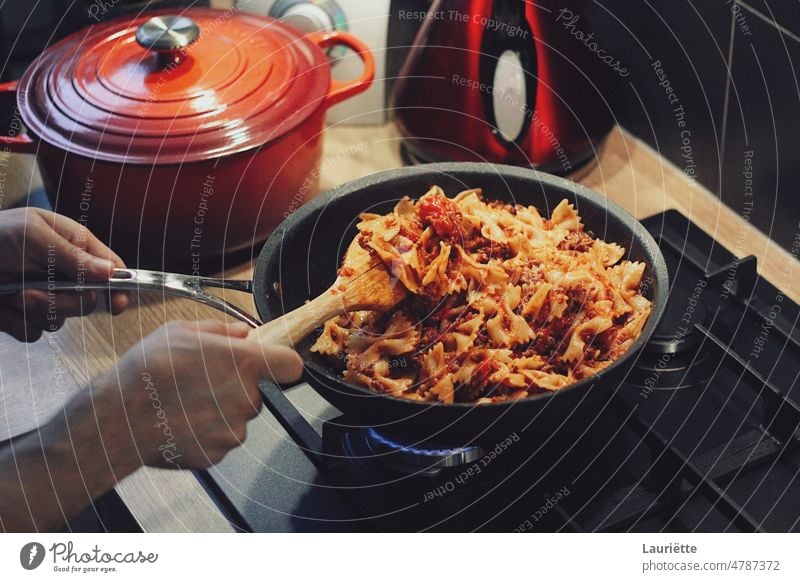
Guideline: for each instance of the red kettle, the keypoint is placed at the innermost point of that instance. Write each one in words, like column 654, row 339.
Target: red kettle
column 505, row 81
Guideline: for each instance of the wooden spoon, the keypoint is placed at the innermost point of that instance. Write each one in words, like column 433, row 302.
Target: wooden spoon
column 364, row 284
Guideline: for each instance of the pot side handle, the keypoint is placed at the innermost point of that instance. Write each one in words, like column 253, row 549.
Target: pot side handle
column 21, row 143
column 341, row 90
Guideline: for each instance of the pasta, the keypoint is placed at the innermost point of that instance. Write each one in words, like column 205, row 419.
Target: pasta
column 503, row 302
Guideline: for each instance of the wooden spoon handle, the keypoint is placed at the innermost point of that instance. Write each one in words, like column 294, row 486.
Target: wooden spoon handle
column 292, row 327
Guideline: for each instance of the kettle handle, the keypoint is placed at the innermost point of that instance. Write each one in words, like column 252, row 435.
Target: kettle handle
column 341, row 90
column 21, row 143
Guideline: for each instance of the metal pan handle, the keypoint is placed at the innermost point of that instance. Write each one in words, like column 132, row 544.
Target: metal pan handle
column 186, row 286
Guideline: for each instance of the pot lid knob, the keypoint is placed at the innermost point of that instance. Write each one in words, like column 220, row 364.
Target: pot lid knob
column 168, row 36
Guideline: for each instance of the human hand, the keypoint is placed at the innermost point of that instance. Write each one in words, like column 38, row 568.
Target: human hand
column 188, row 391
column 38, row 241
column 181, row 398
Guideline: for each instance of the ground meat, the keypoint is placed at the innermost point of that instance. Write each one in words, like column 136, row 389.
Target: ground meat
column 544, row 314
column 482, row 339
column 428, row 337
column 420, row 306
column 576, row 241
column 512, row 208
column 530, row 274
column 560, row 326
column 543, row 344
column 604, row 339
column 559, row 367
column 468, row 392
column 483, row 249
column 411, row 230
column 529, row 279
column 621, row 319
column 430, row 310
column 577, row 298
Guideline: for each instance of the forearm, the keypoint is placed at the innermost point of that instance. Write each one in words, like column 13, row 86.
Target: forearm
column 48, row 477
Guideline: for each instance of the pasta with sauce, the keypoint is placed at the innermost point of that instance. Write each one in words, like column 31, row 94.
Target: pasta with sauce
column 503, row 303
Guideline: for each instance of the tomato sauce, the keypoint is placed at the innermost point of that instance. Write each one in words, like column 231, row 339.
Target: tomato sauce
column 441, row 214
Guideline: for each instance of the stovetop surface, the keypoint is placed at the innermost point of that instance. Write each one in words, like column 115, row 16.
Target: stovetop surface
column 702, row 435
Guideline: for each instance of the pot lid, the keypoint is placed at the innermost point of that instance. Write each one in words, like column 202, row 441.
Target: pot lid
column 173, row 88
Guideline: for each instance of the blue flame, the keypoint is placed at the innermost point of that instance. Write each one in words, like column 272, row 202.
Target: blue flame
column 394, row 445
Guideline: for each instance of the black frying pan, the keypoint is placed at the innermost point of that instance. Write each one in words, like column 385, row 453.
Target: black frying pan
column 300, row 259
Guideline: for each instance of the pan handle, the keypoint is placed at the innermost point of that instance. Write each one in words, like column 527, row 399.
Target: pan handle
column 187, row 286
column 341, row 90
column 22, row 142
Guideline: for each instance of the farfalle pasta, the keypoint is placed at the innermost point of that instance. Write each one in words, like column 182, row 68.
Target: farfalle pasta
column 503, row 303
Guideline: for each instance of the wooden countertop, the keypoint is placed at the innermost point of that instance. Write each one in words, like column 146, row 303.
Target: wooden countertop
column 36, row 379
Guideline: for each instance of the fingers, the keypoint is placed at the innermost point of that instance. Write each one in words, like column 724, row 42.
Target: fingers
column 277, row 363
column 26, row 315
column 72, row 248
column 48, row 311
column 230, row 357
column 82, row 237
column 280, row 364
column 14, row 324
column 118, row 302
column 89, row 254
column 237, row 330
column 76, row 263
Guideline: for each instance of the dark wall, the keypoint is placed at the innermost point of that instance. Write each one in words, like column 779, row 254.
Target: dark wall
column 713, row 86
column 28, row 27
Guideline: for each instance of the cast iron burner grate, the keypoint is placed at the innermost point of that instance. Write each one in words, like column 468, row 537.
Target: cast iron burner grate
column 701, row 437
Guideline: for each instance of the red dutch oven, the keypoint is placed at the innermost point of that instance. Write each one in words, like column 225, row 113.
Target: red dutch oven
column 182, row 140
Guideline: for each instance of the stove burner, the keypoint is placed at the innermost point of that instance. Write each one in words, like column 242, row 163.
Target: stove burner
column 676, row 333
column 431, row 456
column 670, row 371
column 671, row 359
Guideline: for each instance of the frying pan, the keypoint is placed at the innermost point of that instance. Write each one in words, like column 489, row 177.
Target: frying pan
column 300, row 260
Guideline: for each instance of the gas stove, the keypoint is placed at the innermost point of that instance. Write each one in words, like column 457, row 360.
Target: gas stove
column 701, row 436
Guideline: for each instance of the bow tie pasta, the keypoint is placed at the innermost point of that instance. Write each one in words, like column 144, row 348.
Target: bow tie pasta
column 503, row 304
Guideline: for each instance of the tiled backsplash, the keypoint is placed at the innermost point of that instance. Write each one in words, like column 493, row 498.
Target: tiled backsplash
column 714, row 87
